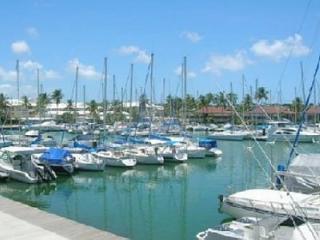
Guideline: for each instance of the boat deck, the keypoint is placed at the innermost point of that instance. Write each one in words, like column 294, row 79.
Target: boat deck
column 19, row 221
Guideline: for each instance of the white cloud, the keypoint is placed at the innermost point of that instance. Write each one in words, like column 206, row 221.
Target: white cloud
column 19, row 47
column 190, row 74
column 85, row 71
column 192, row 36
column 139, row 54
column 30, row 65
column 279, row 49
column 51, row 74
column 7, row 75
column 10, row 90
column 32, row 32
column 218, row 63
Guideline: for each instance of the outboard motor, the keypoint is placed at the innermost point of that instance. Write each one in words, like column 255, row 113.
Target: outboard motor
column 280, row 178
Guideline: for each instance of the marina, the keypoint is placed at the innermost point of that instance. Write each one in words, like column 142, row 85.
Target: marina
column 150, row 120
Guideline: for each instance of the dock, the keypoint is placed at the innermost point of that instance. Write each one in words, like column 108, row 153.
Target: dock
column 20, row 221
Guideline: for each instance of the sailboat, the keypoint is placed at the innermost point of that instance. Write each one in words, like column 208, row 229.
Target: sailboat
column 274, row 202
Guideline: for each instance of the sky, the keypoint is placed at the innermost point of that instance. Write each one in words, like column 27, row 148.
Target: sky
column 224, row 41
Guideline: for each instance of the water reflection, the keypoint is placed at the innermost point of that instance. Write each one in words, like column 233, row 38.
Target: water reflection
column 173, row 201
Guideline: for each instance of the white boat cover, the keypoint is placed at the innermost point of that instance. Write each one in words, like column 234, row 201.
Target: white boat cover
column 303, row 174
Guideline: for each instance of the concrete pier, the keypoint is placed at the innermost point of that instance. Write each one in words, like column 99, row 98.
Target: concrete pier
column 19, row 221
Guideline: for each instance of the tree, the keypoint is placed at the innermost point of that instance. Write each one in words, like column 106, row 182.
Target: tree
column 57, row 96
column 261, row 94
column 297, row 107
column 3, row 108
column 247, row 102
column 69, row 105
column 222, row 102
column 42, row 102
column 143, row 101
column 26, row 102
column 93, row 109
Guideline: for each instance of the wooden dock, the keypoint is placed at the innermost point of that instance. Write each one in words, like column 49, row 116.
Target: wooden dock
column 19, row 221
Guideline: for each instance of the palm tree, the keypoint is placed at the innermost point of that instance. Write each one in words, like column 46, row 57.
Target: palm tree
column 3, row 107
column 222, row 100
column 93, row 109
column 57, row 96
column 143, row 101
column 261, row 94
column 247, row 102
column 297, row 107
column 69, row 105
column 26, row 104
column 42, row 101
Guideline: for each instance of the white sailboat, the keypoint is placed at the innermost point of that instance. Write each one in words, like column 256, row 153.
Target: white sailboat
column 115, row 158
column 145, row 154
column 88, row 162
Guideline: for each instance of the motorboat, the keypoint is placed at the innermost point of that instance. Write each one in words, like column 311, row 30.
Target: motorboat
column 268, row 202
column 59, row 159
column 88, row 162
column 17, row 163
column 284, row 131
column 269, row 228
column 115, row 158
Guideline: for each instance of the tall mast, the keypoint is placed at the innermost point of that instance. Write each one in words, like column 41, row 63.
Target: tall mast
column 131, row 81
column 38, row 82
column 302, row 82
column 151, row 80
column 243, row 80
column 76, row 91
column 84, row 98
column 114, row 88
column 185, row 88
column 18, row 80
column 105, row 91
column 164, row 90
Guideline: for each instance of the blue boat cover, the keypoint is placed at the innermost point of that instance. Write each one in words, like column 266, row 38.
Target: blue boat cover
column 55, row 155
column 207, row 143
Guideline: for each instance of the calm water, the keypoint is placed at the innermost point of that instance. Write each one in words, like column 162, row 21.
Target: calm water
column 155, row 202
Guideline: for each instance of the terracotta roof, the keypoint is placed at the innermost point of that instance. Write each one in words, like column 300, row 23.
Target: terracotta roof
column 270, row 110
column 215, row 110
column 314, row 110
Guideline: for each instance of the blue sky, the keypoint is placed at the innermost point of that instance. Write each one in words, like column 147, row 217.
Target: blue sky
column 222, row 40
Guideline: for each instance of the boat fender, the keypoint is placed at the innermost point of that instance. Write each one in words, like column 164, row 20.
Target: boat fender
column 280, row 177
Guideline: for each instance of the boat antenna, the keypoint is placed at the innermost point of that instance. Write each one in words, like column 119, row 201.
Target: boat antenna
column 303, row 114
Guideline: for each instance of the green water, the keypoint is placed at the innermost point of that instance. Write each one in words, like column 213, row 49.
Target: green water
column 155, row 202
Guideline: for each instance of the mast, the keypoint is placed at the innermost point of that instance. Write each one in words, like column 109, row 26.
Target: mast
column 243, row 80
column 18, row 79
column 105, row 91
column 114, row 88
column 76, row 91
column 131, row 81
column 84, row 98
column 151, row 81
column 163, row 90
column 185, row 88
column 302, row 82
column 38, row 82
